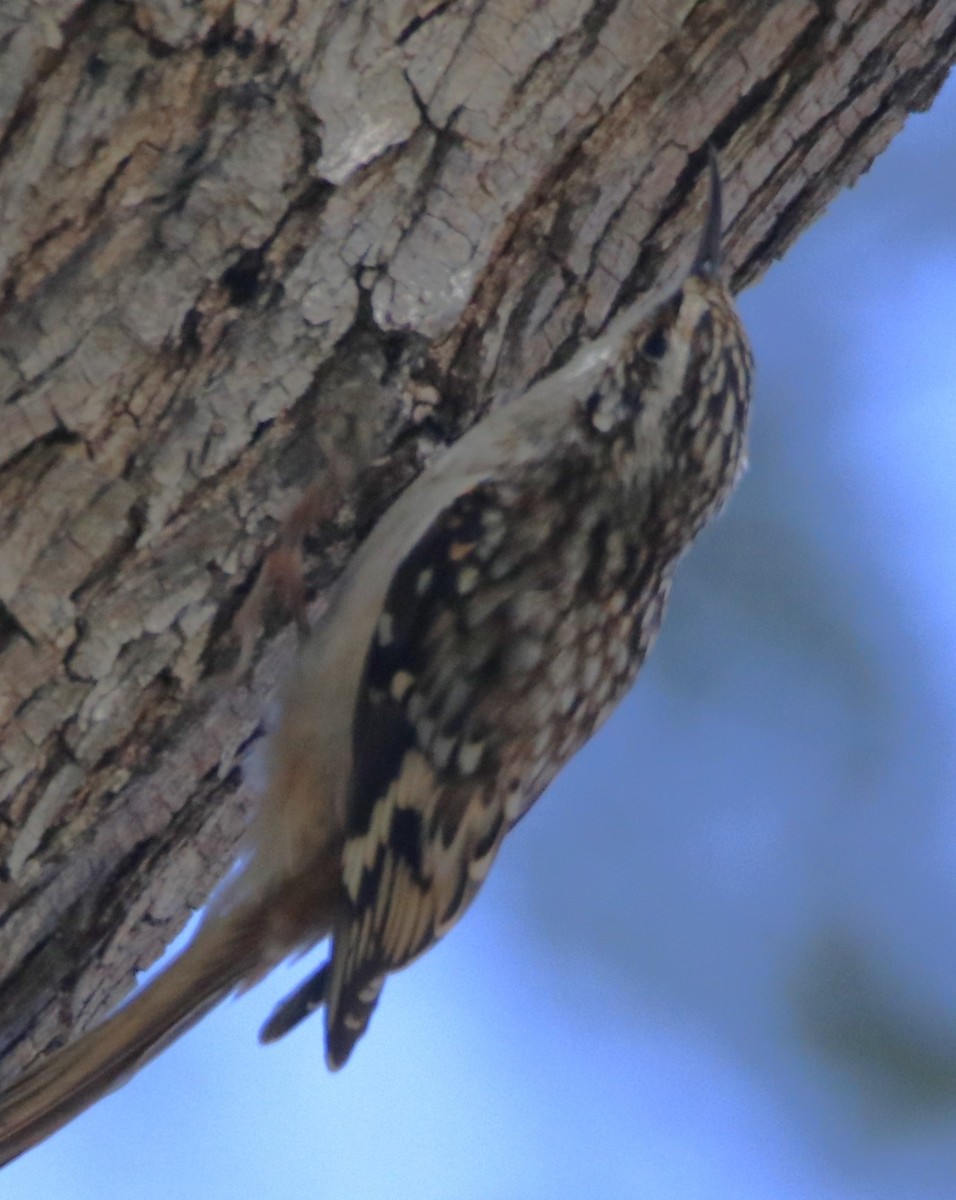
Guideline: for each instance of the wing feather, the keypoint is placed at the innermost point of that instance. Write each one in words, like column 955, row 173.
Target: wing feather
column 423, row 809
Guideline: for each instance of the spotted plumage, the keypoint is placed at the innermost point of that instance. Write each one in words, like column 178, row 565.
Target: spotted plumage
column 488, row 625
column 510, row 631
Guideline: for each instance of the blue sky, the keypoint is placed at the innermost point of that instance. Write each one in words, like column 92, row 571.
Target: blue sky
column 717, row 960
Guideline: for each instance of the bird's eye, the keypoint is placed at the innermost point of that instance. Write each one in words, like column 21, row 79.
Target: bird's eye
column 655, row 345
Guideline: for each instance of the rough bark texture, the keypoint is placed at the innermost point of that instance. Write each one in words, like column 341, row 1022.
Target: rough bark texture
column 245, row 247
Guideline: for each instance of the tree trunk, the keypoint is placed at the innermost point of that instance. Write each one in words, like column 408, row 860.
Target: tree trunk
column 247, row 248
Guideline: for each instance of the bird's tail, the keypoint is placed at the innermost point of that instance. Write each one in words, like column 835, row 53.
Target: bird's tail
column 224, row 954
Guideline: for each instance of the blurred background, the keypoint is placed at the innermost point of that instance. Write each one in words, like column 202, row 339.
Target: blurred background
column 718, row 959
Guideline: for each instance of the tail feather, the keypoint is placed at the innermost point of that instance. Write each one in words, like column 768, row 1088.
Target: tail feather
column 219, row 959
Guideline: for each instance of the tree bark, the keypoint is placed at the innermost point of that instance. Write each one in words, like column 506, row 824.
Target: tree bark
column 248, row 248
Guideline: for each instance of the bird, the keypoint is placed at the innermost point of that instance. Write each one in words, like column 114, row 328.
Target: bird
column 487, row 626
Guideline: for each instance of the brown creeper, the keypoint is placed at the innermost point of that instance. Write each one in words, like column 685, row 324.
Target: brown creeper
column 491, row 621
